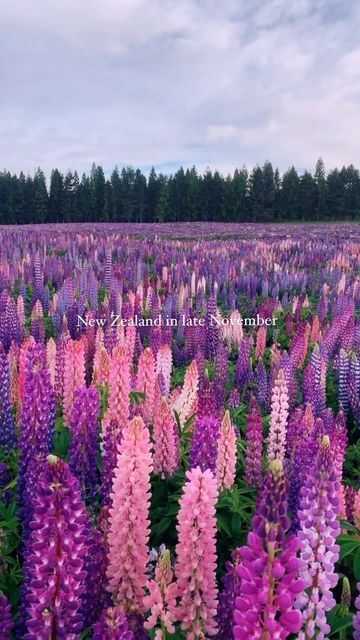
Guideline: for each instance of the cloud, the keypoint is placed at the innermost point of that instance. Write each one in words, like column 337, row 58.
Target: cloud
column 193, row 82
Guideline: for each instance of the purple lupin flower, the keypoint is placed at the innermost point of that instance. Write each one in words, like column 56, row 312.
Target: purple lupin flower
column 95, row 597
column 113, row 625
column 83, row 425
column 356, row 617
column 262, row 385
column 230, row 584
column 265, row 606
column 5, row 618
column 7, row 430
column 254, row 445
column 57, row 547
column 319, row 528
column 243, row 368
column 204, row 443
column 36, row 424
column 212, row 338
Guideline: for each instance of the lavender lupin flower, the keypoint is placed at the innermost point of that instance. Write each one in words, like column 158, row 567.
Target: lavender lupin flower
column 319, row 528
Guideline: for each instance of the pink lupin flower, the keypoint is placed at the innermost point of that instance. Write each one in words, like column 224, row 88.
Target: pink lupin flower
column 185, row 403
column 356, row 510
column 196, row 556
column 129, row 518
column 20, row 310
column 101, row 365
column 145, row 382
column 166, row 441
column 226, row 454
column 164, row 365
column 315, row 330
column 27, row 342
column 276, row 442
column 74, row 374
column 260, row 342
column 160, row 599
column 51, row 359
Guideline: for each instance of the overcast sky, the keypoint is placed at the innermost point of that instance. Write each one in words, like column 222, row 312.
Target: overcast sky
column 168, row 82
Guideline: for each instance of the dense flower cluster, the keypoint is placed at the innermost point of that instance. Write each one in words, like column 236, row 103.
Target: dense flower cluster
column 201, row 396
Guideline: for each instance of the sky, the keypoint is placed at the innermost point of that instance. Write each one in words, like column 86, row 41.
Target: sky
column 166, row 83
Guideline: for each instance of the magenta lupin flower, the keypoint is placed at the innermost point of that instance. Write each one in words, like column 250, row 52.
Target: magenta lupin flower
column 166, row 441
column 254, row 445
column 276, row 442
column 145, row 382
column 226, row 454
column 195, row 566
column 129, row 518
column 54, row 566
column 269, row 568
column 319, row 528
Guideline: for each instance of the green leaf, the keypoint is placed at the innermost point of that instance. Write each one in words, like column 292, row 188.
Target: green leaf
column 223, row 524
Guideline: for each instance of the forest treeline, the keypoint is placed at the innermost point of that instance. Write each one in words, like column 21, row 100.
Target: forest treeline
column 129, row 196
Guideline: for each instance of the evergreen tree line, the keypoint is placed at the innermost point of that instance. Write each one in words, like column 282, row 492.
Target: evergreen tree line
column 128, row 196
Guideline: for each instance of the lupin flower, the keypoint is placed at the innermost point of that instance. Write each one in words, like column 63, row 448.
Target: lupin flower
column 113, row 625
column 36, row 424
column 254, row 444
column 226, row 454
column 260, row 342
column 269, row 567
column 164, row 366
column 129, row 517
column 54, row 566
column 7, row 429
column 83, row 425
column 74, row 374
column 160, row 599
column 319, row 528
column 276, row 442
column 166, row 441
column 186, row 402
column 5, row 618
column 356, row 617
column 116, row 416
column 227, row 596
column 356, row 510
column 196, row 556
column 101, row 365
column 51, row 359
column 204, row 443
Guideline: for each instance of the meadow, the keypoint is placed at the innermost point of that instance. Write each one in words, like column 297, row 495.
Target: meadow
column 180, row 473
